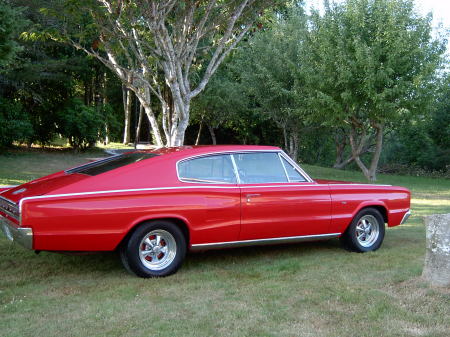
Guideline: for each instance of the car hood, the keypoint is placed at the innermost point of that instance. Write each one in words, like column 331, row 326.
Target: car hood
column 42, row 186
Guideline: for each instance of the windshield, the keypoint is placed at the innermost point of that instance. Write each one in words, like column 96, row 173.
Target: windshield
column 111, row 163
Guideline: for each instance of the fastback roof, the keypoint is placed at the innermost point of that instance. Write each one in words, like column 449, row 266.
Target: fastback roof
column 200, row 149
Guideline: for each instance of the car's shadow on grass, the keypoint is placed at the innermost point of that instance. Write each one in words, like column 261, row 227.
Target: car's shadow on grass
column 47, row 264
column 255, row 256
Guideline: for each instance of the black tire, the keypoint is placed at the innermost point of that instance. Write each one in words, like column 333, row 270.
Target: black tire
column 155, row 249
column 364, row 240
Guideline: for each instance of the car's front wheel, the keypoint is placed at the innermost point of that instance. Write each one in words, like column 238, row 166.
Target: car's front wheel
column 366, row 232
column 155, row 249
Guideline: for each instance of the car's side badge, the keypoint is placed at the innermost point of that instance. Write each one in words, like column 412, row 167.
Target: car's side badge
column 19, row 191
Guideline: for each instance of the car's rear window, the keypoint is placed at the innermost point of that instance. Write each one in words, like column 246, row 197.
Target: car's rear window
column 111, row 163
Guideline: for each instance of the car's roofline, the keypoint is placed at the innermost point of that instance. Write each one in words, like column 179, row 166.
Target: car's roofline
column 188, row 150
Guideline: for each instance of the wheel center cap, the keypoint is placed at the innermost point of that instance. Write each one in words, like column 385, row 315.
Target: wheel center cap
column 156, row 250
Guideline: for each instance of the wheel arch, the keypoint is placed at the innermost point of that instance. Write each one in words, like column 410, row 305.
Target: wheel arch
column 180, row 222
column 379, row 206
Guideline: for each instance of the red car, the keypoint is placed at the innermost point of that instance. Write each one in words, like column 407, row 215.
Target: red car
column 153, row 206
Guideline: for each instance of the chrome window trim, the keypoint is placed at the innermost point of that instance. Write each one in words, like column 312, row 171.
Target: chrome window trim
column 236, row 172
column 106, row 159
column 279, row 152
column 284, row 167
column 207, row 155
column 241, row 243
column 297, row 167
column 230, row 152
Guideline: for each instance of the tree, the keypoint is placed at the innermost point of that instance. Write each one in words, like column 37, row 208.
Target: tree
column 220, row 103
column 161, row 43
column 11, row 22
column 14, row 123
column 273, row 73
column 81, row 124
column 373, row 64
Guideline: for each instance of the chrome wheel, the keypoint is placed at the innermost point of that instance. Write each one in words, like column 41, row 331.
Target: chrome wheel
column 367, row 230
column 157, row 249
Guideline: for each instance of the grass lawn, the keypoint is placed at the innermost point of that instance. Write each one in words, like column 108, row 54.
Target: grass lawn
column 310, row 289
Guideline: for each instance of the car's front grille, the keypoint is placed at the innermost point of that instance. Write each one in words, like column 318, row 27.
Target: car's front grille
column 10, row 208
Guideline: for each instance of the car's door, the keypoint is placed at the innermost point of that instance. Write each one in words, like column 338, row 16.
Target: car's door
column 214, row 197
column 277, row 200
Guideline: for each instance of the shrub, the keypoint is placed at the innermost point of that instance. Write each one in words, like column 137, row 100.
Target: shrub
column 81, row 124
column 14, row 123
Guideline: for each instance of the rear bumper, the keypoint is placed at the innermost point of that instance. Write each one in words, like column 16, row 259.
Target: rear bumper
column 23, row 236
column 405, row 217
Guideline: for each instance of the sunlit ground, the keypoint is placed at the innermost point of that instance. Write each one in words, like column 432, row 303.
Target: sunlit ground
column 310, row 289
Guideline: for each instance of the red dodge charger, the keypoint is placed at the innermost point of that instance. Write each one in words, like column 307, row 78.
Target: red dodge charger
column 153, row 206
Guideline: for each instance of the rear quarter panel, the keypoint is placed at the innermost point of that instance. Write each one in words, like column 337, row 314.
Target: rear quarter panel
column 349, row 199
column 98, row 222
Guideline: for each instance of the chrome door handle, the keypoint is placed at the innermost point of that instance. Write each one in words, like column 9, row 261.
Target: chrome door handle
column 250, row 196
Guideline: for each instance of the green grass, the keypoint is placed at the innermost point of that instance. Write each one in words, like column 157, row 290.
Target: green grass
column 310, row 289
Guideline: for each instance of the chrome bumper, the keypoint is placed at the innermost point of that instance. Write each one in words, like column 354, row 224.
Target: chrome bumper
column 23, row 236
column 405, row 217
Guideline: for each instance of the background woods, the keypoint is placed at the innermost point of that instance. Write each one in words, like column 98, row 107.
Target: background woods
column 363, row 84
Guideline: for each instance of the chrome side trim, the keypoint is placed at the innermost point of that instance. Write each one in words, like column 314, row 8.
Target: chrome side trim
column 300, row 184
column 178, row 188
column 119, row 191
column 230, row 244
column 23, row 236
column 8, row 186
column 405, row 217
column 350, row 184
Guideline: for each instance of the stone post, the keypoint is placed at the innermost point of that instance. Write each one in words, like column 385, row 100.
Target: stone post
column 437, row 259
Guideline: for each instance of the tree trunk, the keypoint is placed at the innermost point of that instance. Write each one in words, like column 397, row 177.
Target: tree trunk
column 180, row 110
column 145, row 101
column 197, row 140
column 378, row 147
column 126, row 95
column 340, row 143
column 104, row 101
column 359, row 149
column 293, row 146
column 138, row 128
column 213, row 134
column 285, row 138
column 106, row 140
column 437, row 259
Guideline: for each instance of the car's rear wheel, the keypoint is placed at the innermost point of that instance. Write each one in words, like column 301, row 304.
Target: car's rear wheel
column 366, row 232
column 154, row 249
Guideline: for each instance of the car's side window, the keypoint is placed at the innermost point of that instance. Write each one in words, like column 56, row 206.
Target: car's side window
column 293, row 174
column 211, row 170
column 260, row 167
